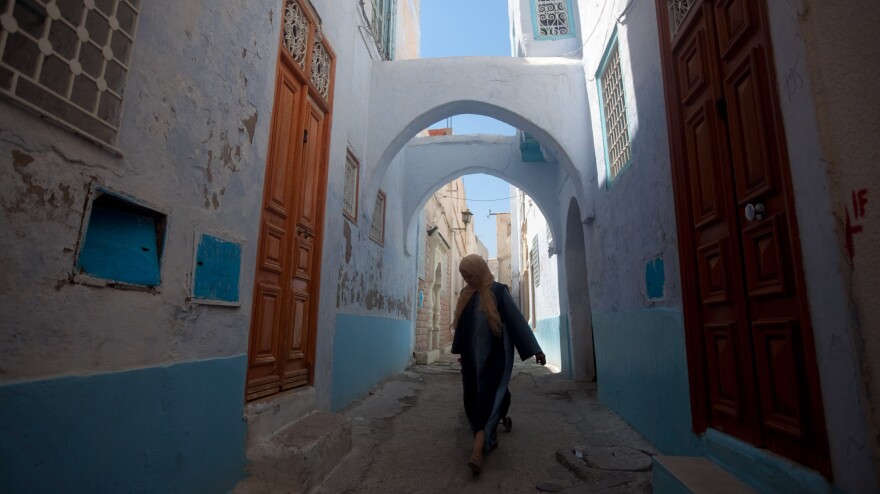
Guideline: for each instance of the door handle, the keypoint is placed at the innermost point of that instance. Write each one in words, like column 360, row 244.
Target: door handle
column 305, row 233
column 755, row 212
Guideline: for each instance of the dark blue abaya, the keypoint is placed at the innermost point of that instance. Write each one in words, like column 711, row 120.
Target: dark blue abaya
column 487, row 360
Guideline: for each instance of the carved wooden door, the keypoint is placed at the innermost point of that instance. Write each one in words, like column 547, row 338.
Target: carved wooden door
column 750, row 346
column 282, row 336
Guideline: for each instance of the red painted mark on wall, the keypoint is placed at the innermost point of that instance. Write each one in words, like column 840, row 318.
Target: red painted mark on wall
column 859, row 201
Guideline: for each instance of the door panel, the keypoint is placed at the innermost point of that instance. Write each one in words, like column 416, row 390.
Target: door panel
column 752, row 361
column 286, row 281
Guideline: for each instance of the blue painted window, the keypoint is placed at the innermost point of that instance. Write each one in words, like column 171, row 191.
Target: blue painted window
column 218, row 265
column 552, row 19
column 123, row 242
column 612, row 105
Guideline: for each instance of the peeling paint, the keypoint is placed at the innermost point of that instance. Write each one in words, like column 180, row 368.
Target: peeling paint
column 346, row 232
column 34, row 195
column 250, row 124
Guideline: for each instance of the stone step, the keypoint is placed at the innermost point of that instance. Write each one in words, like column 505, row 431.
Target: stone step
column 298, row 457
column 686, row 474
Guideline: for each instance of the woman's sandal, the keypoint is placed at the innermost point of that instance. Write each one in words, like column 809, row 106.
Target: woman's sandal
column 476, row 465
column 508, row 424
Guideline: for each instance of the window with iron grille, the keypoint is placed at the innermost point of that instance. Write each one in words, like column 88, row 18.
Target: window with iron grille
column 551, row 19
column 68, row 60
column 383, row 26
column 613, row 107
column 535, row 261
column 350, row 193
column 377, row 226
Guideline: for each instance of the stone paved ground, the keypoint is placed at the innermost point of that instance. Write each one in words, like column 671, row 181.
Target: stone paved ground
column 411, row 435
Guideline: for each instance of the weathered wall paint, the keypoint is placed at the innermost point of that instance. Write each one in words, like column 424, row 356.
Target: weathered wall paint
column 192, row 145
column 367, row 350
column 160, row 429
column 642, row 375
column 193, row 136
column 835, row 66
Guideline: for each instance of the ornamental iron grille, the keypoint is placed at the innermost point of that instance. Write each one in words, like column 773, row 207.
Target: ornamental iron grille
column 68, row 60
column 382, row 26
column 321, row 68
column 535, row 261
column 349, row 201
column 552, row 19
column 678, row 11
column 617, row 141
column 377, row 226
column 296, row 29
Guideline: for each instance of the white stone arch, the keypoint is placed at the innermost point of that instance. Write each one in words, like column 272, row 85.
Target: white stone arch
column 544, row 97
column 497, row 156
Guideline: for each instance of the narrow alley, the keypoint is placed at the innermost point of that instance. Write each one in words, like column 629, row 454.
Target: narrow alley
column 411, row 435
column 232, row 237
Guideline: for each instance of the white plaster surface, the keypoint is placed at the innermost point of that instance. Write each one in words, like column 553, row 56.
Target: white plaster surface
column 829, row 157
column 193, row 139
column 431, row 162
column 534, row 95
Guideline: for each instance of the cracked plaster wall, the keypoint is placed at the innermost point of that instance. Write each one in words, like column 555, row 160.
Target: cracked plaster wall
column 193, row 140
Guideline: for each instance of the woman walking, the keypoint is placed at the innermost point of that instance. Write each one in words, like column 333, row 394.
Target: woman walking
column 488, row 326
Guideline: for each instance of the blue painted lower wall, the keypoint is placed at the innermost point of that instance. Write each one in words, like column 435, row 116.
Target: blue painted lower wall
column 163, row 429
column 366, row 351
column 642, row 372
column 642, row 375
column 548, row 332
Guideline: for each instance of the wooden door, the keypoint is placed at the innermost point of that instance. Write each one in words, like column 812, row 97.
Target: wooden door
column 282, row 336
column 750, row 348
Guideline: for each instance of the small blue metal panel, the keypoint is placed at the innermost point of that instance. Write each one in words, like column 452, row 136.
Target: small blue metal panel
column 121, row 246
column 655, row 279
column 218, row 265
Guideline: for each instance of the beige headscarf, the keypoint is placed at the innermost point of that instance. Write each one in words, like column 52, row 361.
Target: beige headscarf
column 476, row 267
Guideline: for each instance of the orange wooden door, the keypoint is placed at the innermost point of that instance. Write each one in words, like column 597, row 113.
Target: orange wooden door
column 282, row 336
column 303, row 274
column 750, row 346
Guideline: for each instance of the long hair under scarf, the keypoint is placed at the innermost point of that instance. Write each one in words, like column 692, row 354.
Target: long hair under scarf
column 476, row 267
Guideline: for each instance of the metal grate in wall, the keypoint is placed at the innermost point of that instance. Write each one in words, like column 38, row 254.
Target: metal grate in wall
column 617, row 140
column 552, row 18
column 68, row 60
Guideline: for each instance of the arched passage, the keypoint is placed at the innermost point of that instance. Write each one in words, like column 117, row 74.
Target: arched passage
column 583, row 358
column 408, row 96
column 432, row 162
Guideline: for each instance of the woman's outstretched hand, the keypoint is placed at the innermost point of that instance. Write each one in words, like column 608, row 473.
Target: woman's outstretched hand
column 541, row 358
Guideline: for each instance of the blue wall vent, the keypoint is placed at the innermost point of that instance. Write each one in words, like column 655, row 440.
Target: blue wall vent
column 217, row 270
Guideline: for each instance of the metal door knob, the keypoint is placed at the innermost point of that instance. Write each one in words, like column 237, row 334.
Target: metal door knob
column 755, row 212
